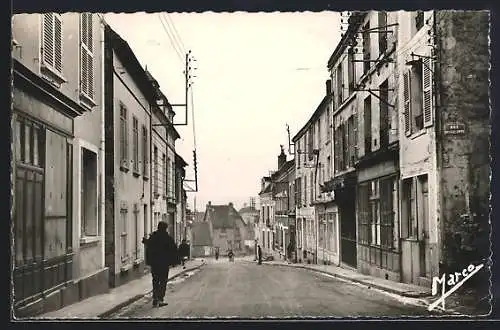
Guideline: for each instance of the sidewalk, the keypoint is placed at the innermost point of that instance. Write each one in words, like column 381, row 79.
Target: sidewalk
column 103, row 305
column 463, row 304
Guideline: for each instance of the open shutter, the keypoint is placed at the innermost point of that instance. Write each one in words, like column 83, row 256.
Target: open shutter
column 58, row 42
column 407, row 102
column 86, row 55
column 48, row 39
column 427, row 91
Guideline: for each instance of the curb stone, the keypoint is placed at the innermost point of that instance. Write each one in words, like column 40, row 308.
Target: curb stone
column 135, row 298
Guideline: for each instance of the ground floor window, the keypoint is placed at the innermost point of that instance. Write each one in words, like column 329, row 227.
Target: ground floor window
column 42, row 216
column 377, row 225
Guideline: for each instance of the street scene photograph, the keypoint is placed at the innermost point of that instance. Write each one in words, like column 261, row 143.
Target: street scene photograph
column 241, row 165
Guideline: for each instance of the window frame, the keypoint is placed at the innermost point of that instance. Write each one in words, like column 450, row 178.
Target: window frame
column 46, row 67
column 86, row 53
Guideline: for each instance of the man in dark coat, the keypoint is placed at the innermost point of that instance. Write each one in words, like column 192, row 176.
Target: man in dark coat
column 184, row 252
column 259, row 253
column 161, row 253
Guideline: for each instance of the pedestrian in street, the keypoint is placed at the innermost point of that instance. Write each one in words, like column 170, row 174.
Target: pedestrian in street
column 259, row 254
column 161, row 253
column 184, row 252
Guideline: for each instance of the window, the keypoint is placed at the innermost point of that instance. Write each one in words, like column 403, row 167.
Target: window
column 310, row 145
column 417, row 96
column 374, row 212
column 340, row 84
column 135, row 145
column 155, row 171
column 145, row 152
column 415, row 207
column 328, row 126
column 366, row 48
column 387, row 212
column 165, row 175
column 351, row 137
column 86, row 55
column 382, row 35
column 30, row 143
column 312, row 188
column 123, row 236
column 368, row 124
column 52, row 42
column 88, row 195
column 123, row 137
column 328, row 167
column 351, row 70
column 384, row 114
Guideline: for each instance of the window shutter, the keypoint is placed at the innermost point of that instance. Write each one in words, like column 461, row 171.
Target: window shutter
column 427, row 91
column 407, row 102
column 86, row 56
column 58, row 42
column 48, row 39
column 355, row 136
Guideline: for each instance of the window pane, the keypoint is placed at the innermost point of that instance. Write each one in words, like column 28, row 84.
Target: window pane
column 36, row 156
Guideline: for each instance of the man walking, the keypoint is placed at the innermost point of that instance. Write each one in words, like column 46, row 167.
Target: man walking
column 161, row 253
column 184, row 252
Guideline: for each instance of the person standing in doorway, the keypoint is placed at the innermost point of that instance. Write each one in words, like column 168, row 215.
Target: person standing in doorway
column 161, row 254
column 259, row 254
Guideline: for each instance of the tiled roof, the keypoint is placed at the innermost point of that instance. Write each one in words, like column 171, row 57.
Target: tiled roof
column 222, row 216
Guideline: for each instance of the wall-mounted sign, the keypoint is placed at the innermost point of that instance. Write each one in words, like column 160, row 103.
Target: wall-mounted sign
column 454, row 128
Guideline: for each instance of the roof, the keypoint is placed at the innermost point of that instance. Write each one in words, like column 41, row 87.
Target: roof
column 267, row 189
column 248, row 209
column 313, row 118
column 201, row 235
column 354, row 22
column 222, row 216
column 143, row 78
column 180, row 160
column 284, row 170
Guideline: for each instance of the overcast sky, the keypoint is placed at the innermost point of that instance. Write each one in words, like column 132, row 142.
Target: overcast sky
column 256, row 73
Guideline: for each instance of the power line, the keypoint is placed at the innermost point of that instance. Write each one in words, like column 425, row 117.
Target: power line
column 175, row 32
column 172, row 43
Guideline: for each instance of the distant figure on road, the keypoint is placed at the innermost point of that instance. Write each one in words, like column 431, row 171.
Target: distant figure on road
column 216, row 254
column 161, row 253
column 184, row 252
column 259, row 254
column 231, row 255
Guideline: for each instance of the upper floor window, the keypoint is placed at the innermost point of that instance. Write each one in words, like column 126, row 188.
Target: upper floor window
column 340, row 84
column 123, row 136
column 145, row 154
column 52, row 42
column 135, row 144
column 384, row 113
column 350, row 70
column 86, row 55
column 417, row 96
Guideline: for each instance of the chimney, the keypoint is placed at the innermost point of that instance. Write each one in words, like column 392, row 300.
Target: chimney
column 281, row 158
column 328, row 87
column 230, row 204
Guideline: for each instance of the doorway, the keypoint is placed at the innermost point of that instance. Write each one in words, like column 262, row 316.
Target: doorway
column 347, row 210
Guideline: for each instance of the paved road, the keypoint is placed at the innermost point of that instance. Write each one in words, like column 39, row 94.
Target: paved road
column 247, row 290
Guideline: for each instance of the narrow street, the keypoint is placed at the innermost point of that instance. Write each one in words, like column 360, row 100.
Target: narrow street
column 245, row 289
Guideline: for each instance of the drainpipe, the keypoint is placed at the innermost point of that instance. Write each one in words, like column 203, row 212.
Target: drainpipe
column 102, row 150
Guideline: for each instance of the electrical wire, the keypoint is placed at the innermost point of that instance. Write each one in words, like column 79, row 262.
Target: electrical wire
column 172, row 43
column 175, row 32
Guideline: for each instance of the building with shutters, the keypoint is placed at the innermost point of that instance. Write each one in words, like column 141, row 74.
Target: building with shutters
column 181, row 225
column 306, row 159
column 371, row 41
column 283, row 195
column 264, row 228
column 417, row 89
column 444, row 131
column 130, row 99
column 162, row 148
column 57, row 161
